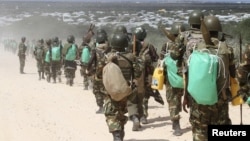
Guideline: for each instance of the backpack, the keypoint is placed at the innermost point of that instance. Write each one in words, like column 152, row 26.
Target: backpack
column 85, row 56
column 56, row 53
column 115, row 78
column 207, row 73
column 174, row 79
column 39, row 53
column 47, row 57
column 71, row 53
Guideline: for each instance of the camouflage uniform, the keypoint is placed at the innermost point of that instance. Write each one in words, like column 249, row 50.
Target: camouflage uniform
column 173, row 95
column 149, row 55
column 84, row 66
column 96, row 63
column 243, row 74
column 56, row 65
column 47, row 62
column 70, row 66
column 115, row 110
column 217, row 114
column 40, row 61
column 22, row 54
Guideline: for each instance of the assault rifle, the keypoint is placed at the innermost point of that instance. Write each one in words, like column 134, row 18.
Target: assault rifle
column 167, row 33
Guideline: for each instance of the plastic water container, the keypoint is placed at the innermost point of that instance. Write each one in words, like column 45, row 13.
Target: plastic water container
column 157, row 79
column 234, row 89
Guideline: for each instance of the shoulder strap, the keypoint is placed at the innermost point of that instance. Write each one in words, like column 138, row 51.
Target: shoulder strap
column 130, row 62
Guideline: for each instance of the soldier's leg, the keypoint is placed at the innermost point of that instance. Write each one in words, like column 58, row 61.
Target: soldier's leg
column 200, row 118
column 85, row 79
column 59, row 72
column 115, row 117
column 99, row 94
column 133, row 110
column 174, row 104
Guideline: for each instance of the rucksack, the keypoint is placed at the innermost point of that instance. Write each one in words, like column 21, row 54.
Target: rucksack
column 206, row 73
column 174, row 79
column 39, row 53
column 85, row 56
column 47, row 57
column 55, row 53
column 115, row 78
column 71, row 53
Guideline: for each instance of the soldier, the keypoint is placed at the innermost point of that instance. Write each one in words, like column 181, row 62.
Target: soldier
column 47, row 59
column 39, row 55
column 243, row 76
column 56, row 59
column 138, row 110
column 218, row 113
column 115, row 110
column 96, row 63
column 22, row 54
column 70, row 54
column 84, row 52
column 174, row 49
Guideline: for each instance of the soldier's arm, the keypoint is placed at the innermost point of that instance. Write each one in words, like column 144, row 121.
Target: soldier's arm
column 163, row 51
column 153, row 53
column 92, row 59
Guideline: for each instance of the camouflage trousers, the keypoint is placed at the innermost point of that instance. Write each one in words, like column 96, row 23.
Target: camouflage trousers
column 56, row 69
column 70, row 69
column 115, row 114
column 173, row 97
column 22, row 62
column 99, row 92
column 47, row 68
column 85, row 76
column 203, row 115
column 40, row 65
column 135, row 104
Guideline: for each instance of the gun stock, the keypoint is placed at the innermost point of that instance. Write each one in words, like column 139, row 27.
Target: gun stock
column 168, row 34
column 134, row 44
column 205, row 33
column 240, row 49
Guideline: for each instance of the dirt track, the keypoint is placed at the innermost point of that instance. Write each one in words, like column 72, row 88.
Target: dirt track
column 33, row 110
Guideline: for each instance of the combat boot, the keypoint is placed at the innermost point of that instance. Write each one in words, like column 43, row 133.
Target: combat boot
column 85, row 88
column 136, row 123
column 176, row 127
column 100, row 110
column 144, row 120
column 48, row 78
column 39, row 74
column 43, row 75
column 117, row 136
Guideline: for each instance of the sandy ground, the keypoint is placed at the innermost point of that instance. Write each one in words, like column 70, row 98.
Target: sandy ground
column 33, row 110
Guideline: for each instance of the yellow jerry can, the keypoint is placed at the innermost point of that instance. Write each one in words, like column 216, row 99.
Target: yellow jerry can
column 157, row 79
column 234, row 86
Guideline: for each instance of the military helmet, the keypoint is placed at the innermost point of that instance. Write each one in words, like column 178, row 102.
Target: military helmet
column 119, row 41
column 121, row 29
column 101, row 38
column 23, row 38
column 48, row 41
column 71, row 39
column 177, row 27
column 213, row 23
column 140, row 33
column 101, row 30
column 195, row 17
column 55, row 39
column 41, row 41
